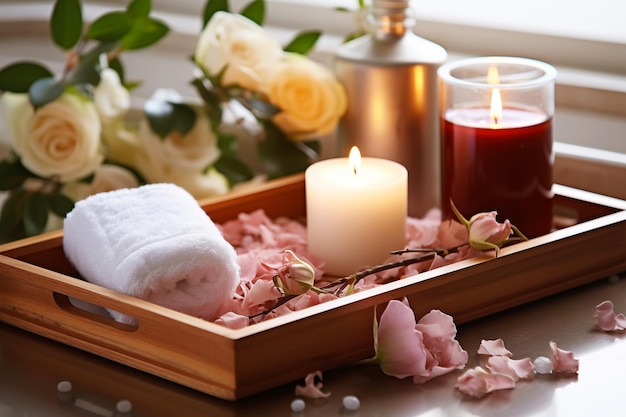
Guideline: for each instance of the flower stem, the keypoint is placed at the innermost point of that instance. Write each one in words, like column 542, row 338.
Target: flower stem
column 343, row 282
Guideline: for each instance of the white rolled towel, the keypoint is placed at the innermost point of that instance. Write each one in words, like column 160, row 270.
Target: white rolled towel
column 153, row 242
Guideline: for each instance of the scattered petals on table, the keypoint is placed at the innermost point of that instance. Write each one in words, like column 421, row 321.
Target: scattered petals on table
column 493, row 348
column 312, row 387
column 563, row 360
column 606, row 318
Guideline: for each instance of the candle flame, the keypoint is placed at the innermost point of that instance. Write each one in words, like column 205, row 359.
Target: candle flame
column 496, row 106
column 493, row 77
column 355, row 159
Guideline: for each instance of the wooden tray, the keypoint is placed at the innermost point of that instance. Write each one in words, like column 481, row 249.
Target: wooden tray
column 39, row 292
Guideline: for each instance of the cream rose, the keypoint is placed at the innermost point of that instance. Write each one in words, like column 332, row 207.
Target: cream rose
column 121, row 142
column 241, row 46
column 181, row 159
column 201, row 184
column 60, row 139
column 194, row 151
column 311, row 99
column 106, row 178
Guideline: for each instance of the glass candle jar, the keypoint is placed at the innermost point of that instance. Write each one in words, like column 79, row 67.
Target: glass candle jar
column 496, row 140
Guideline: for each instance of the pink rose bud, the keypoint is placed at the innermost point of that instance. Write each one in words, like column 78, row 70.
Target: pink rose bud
column 295, row 277
column 486, row 233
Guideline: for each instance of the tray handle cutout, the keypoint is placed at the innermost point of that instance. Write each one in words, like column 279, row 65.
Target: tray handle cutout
column 90, row 311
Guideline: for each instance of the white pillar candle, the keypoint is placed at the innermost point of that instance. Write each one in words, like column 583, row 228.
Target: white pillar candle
column 356, row 214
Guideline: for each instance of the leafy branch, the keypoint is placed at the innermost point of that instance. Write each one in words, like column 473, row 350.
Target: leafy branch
column 108, row 36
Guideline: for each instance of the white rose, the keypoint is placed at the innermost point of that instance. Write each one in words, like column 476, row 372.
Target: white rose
column 202, row 184
column 60, row 139
column 194, row 151
column 311, row 99
column 120, row 142
column 181, row 159
column 111, row 98
column 106, row 178
column 240, row 45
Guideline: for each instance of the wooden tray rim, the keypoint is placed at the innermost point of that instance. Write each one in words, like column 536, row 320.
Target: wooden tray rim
column 115, row 299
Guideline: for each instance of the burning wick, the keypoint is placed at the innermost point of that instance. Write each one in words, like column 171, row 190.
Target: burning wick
column 355, row 159
column 493, row 77
column 496, row 106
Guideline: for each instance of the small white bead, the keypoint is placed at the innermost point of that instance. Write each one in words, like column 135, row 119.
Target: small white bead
column 351, row 402
column 64, row 387
column 64, row 390
column 124, row 406
column 543, row 365
column 298, row 405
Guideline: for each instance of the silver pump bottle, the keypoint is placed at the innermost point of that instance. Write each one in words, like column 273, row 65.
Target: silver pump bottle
column 390, row 77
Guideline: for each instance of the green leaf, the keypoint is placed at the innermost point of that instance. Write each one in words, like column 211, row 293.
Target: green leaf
column 281, row 156
column 184, row 118
column 211, row 7
column 110, row 27
column 44, row 91
column 117, row 66
column 145, row 31
column 165, row 117
column 85, row 73
column 230, row 164
column 66, row 23
column 36, row 210
column 139, row 8
column 304, row 42
column 213, row 106
column 160, row 115
column 234, row 169
column 255, row 11
column 60, row 204
column 352, row 36
column 11, row 216
column 259, row 108
column 12, row 174
column 18, row 77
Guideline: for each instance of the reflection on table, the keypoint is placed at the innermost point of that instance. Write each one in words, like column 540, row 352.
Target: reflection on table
column 31, row 368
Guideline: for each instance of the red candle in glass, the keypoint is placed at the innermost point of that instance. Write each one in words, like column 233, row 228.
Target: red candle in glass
column 506, row 168
column 496, row 133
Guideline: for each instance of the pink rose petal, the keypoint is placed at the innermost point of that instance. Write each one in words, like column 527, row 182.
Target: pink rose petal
column 423, row 350
column 604, row 315
column 444, row 352
column 233, row 320
column 515, row 368
column 260, row 293
column 437, row 325
column 563, row 360
column 452, row 233
column 493, row 348
column 477, row 382
column 399, row 347
column 312, row 389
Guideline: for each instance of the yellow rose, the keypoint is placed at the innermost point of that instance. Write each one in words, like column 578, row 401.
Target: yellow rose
column 311, row 99
column 240, row 45
column 60, row 139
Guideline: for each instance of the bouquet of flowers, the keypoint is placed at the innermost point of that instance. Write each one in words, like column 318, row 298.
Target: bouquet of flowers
column 55, row 123
column 73, row 134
